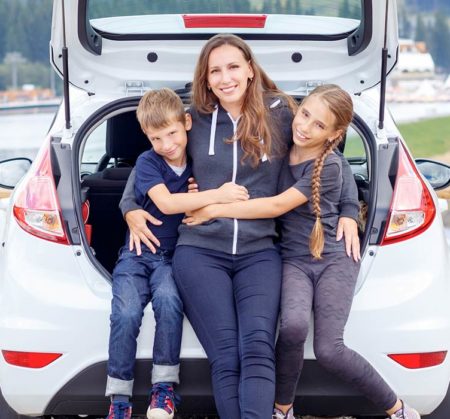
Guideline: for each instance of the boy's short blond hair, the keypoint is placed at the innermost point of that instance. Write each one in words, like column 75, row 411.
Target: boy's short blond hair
column 158, row 108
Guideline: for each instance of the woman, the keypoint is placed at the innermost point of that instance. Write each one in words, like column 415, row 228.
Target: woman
column 228, row 271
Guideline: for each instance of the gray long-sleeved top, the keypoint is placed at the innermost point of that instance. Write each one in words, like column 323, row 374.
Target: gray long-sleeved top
column 216, row 161
column 297, row 224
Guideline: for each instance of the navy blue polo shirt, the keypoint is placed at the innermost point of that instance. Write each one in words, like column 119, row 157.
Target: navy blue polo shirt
column 152, row 170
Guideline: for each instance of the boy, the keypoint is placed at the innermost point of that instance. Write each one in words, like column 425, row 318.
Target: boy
column 161, row 189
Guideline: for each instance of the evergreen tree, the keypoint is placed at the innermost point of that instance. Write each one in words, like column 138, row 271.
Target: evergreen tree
column 267, row 7
column 278, row 7
column 298, row 7
column 3, row 26
column 404, row 24
column 15, row 36
column 439, row 42
column 243, row 6
column 37, row 27
column 355, row 11
column 290, row 7
column 344, row 9
column 421, row 30
column 428, row 6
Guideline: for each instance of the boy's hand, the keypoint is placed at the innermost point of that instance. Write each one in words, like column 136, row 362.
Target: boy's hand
column 139, row 232
column 197, row 217
column 192, row 185
column 230, row 192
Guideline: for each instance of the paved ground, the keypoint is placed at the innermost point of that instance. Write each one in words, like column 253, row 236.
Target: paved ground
column 298, row 417
column 316, row 417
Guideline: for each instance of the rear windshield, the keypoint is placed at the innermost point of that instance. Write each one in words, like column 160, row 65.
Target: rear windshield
column 99, row 11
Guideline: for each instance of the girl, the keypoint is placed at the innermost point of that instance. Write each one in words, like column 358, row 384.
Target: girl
column 317, row 274
column 228, row 272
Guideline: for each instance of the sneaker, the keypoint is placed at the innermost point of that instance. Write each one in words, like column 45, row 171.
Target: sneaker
column 406, row 412
column 278, row 414
column 164, row 399
column 119, row 410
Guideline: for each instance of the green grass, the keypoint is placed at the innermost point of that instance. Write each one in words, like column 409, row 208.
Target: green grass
column 427, row 138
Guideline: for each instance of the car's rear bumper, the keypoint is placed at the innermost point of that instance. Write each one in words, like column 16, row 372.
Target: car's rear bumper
column 318, row 392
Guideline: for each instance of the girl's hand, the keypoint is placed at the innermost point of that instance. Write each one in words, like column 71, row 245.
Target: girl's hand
column 230, row 192
column 197, row 217
column 139, row 232
column 348, row 228
column 192, row 185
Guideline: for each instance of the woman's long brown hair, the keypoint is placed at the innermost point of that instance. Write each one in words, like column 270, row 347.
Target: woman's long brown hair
column 340, row 104
column 255, row 123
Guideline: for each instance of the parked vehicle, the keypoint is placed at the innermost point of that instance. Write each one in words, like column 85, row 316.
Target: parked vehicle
column 63, row 226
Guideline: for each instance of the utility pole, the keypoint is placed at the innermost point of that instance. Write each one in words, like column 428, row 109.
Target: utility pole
column 14, row 59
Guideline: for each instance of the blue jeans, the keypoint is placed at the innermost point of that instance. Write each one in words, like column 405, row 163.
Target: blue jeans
column 232, row 302
column 137, row 280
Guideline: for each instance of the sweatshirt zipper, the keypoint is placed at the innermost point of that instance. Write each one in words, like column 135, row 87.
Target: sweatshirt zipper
column 233, row 179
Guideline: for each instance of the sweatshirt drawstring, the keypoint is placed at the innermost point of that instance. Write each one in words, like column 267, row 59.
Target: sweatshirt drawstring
column 273, row 105
column 212, row 134
column 264, row 156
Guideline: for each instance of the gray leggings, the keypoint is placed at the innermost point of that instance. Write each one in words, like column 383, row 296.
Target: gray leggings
column 326, row 287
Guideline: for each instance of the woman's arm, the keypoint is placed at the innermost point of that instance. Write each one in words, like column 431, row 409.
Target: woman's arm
column 176, row 203
column 270, row 207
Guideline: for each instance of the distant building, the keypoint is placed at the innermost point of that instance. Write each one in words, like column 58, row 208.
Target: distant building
column 413, row 60
column 413, row 78
column 28, row 93
column 447, row 83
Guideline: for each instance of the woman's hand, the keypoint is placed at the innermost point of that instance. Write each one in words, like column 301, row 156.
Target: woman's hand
column 197, row 217
column 348, row 229
column 139, row 232
column 192, row 185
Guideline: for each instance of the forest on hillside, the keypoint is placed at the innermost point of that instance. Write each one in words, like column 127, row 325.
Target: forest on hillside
column 25, row 27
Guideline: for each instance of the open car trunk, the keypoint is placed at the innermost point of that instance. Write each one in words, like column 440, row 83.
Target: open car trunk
column 156, row 45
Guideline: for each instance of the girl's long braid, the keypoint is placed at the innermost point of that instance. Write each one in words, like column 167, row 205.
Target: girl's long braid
column 317, row 240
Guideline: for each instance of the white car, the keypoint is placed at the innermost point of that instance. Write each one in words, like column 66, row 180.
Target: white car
column 63, row 226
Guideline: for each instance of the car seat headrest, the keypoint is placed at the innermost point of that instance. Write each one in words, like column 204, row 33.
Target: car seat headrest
column 124, row 137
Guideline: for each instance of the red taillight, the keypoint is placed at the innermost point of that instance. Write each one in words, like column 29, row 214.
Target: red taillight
column 224, row 21
column 29, row 359
column 412, row 208
column 419, row 360
column 36, row 207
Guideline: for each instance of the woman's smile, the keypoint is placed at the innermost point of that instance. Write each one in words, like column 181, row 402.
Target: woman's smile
column 228, row 77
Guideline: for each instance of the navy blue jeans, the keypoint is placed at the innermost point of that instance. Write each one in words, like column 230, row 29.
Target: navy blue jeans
column 137, row 280
column 232, row 302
